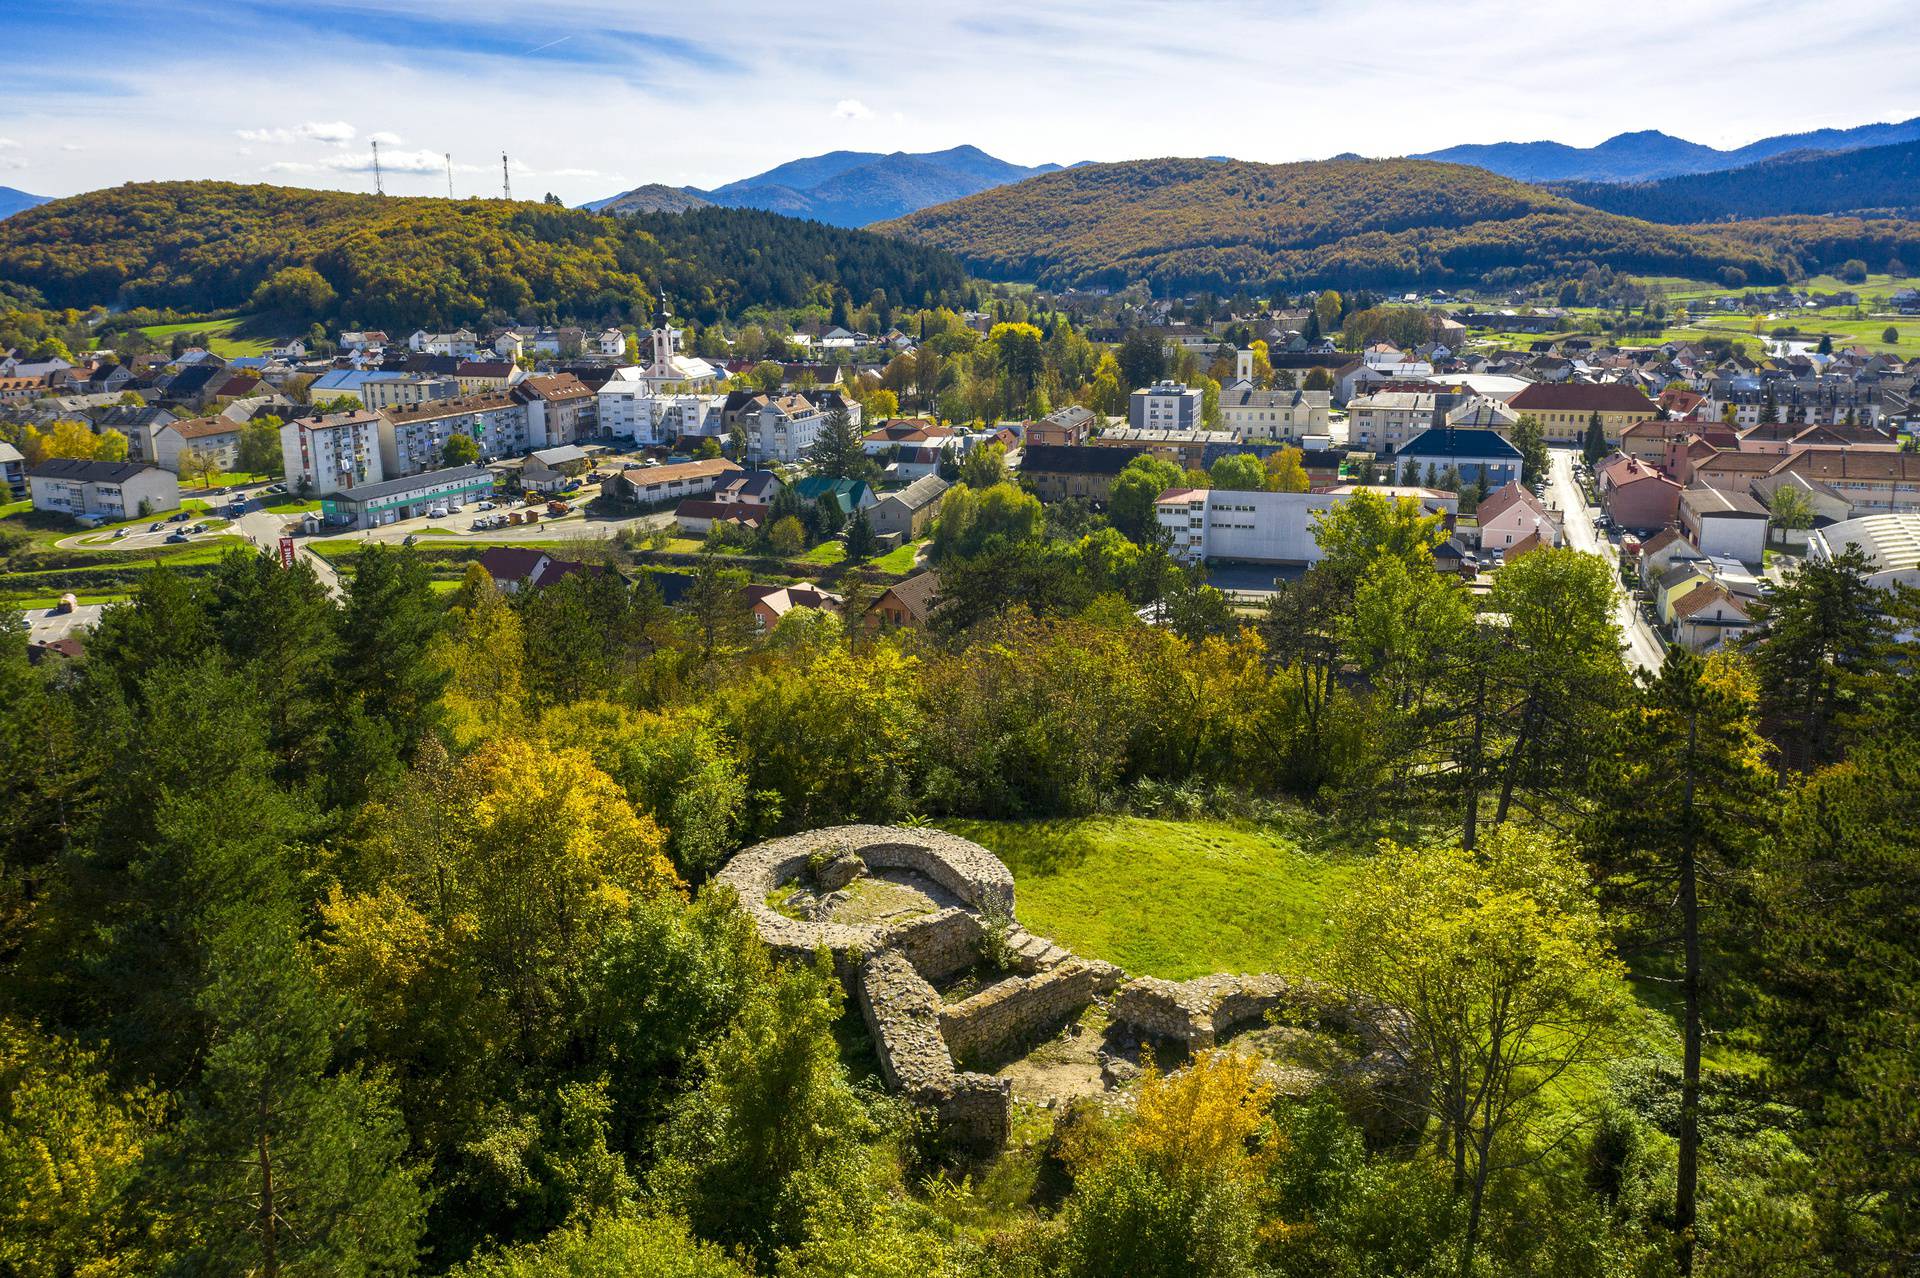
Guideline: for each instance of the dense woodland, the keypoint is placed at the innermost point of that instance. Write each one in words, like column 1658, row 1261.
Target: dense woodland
column 1187, row 224
column 1886, row 178
column 371, row 938
column 208, row 246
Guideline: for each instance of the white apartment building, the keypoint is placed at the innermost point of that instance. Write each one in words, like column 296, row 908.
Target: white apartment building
column 1165, row 406
column 1262, row 416
column 461, row 342
column 413, row 440
column 402, row 390
column 788, row 426
column 325, row 455
column 108, row 491
column 1383, row 421
column 1263, row 527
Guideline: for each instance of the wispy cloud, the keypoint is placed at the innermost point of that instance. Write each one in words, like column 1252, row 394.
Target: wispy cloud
column 852, row 109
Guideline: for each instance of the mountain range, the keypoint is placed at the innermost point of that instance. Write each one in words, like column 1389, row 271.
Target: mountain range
column 1648, row 154
column 844, row 188
column 1876, row 179
column 12, row 201
column 1181, row 224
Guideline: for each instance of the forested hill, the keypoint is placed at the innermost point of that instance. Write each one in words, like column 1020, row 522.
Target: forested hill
column 1880, row 178
column 401, row 262
column 1189, row 223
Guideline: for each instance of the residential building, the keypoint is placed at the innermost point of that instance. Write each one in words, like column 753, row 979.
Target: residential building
column 611, row 342
column 906, row 603
column 1165, row 406
column 1719, row 522
column 477, row 377
column 13, row 472
column 514, row 568
column 1891, row 544
column 209, row 439
column 413, row 440
column 406, row 497
column 560, row 409
column 785, row 429
column 1564, row 409
column 1383, row 421
column 1188, row 449
column 1811, row 401
column 1708, row 616
column 1725, row 468
column 1872, row 482
column 651, row 485
column 1511, row 513
column 1635, row 495
column 461, row 343
column 1058, row 473
column 1261, row 527
column 696, row 516
column 336, row 451
column 1474, row 454
column 1063, row 427
column 849, row 494
column 770, row 603
column 908, row 432
column 106, row 491
column 907, row 513
column 1272, row 415
column 405, row 390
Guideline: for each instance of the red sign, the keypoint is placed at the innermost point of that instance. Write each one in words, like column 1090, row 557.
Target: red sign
column 286, row 552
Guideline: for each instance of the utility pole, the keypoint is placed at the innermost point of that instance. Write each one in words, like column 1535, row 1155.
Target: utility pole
column 506, row 182
column 449, row 175
column 377, row 188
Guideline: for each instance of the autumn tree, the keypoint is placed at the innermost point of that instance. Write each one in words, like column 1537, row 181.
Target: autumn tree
column 1286, row 471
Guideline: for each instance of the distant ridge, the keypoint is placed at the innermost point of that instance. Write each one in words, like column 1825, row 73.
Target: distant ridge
column 13, row 201
column 1878, row 179
column 1649, row 154
column 844, row 188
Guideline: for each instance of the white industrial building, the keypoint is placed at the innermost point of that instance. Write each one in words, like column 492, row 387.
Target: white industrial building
column 1263, row 527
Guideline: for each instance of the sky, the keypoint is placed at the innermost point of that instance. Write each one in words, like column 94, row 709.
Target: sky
column 592, row 97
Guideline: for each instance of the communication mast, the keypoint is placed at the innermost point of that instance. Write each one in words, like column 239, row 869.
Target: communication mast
column 377, row 188
column 506, row 183
column 449, row 175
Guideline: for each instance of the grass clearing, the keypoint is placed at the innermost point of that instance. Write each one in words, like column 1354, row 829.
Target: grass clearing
column 900, row 559
column 827, row 552
column 1177, row 899
column 221, row 334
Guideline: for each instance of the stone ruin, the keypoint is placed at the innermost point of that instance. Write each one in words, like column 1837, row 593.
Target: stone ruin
column 920, row 926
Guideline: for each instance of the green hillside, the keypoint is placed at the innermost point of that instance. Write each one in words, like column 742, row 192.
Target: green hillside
column 393, row 262
column 1183, row 223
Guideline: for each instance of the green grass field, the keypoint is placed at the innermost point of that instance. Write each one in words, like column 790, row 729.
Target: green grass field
column 900, row 558
column 219, row 331
column 1177, row 899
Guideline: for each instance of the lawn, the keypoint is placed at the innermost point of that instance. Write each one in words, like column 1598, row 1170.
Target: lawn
column 219, row 333
column 1177, row 899
column 827, row 552
column 291, row 506
column 900, row 559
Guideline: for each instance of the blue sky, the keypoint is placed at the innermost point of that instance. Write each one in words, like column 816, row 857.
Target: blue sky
column 590, row 97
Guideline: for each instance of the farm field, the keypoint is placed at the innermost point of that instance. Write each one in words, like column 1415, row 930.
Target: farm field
column 222, row 332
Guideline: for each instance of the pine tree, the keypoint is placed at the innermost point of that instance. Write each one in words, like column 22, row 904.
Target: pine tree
column 840, row 452
column 861, row 541
column 1595, row 447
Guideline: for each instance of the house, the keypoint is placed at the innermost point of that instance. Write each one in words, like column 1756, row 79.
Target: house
column 611, row 342
column 770, row 603
column 560, row 409
column 1635, row 495
column 1564, row 409
column 514, row 568
column 1511, row 513
column 850, row 494
column 413, row 440
column 1662, row 551
column 1720, row 522
column 1086, row 472
column 1891, row 544
column 1872, row 482
column 697, row 515
column 106, row 491
column 906, row 603
column 1164, row 406
column 1709, row 616
column 1187, row 449
column 1262, row 527
column 1727, row 469
column 214, row 440
column 1674, row 584
column 1063, row 427
column 784, row 429
column 907, row 432
column 651, row 485
column 1474, row 454
column 1283, row 414
column 1388, row 417
column 907, row 513
column 754, row 487
column 332, row 452
column 13, row 472
column 406, row 497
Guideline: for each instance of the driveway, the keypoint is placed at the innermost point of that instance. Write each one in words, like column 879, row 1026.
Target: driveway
column 1643, row 648
column 265, row 530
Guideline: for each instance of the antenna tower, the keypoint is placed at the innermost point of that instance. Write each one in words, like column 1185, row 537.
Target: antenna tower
column 378, row 189
column 506, row 183
column 449, row 175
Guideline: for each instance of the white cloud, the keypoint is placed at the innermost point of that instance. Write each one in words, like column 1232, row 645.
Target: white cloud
column 386, row 139
column 338, row 132
column 8, row 144
column 277, row 136
column 851, row 109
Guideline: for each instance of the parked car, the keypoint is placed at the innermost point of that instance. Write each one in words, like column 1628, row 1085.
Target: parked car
column 178, row 537
column 485, row 505
column 438, row 512
column 155, row 526
column 180, row 517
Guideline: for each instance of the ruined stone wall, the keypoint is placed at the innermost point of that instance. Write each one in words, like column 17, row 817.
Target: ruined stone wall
column 902, row 1013
column 1013, row 1011
column 939, row 945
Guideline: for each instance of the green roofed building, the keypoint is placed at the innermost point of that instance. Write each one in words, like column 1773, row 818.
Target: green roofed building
column 852, row 494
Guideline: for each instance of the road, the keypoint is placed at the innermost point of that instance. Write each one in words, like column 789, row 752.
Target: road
column 1642, row 647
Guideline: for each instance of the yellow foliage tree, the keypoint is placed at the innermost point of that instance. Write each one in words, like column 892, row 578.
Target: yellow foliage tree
column 484, row 657
column 1286, row 473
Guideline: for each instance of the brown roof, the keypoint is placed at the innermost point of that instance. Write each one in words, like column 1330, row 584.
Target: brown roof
column 203, row 427
column 1834, row 464
column 1728, row 459
column 1583, row 397
column 745, row 512
column 555, row 386
column 917, row 594
column 435, row 409
column 646, row 476
column 1703, row 596
column 1504, row 498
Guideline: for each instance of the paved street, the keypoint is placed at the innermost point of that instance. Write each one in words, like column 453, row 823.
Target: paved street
column 1643, row 648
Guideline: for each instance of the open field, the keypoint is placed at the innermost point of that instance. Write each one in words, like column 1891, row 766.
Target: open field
column 220, row 332
column 1177, row 899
